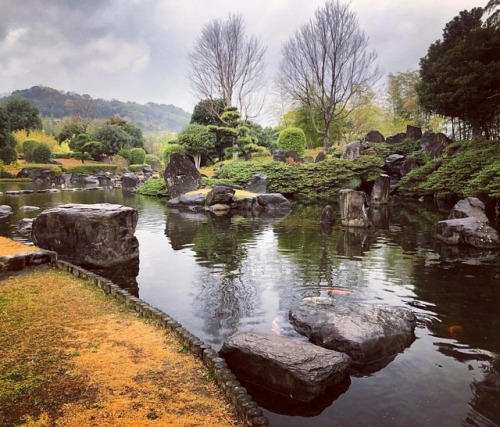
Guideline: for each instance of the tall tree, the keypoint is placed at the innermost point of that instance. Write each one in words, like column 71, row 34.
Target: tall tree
column 325, row 64
column 22, row 115
column 227, row 64
column 208, row 112
column 460, row 75
column 196, row 141
column 83, row 110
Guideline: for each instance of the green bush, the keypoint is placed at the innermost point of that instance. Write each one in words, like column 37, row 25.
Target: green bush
column 90, row 168
column 307, row 183
column 8, row 155
column 153, row 187
column 42, row 153
column 137, row 156
column 155, row 162
column 467, row 168
column 170, row 149
column 39, row 167
column 125, row 153
column 63, row 155
column 292, row 139
column 28, row 147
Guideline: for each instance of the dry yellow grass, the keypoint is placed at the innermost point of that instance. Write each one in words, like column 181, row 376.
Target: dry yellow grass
column 10, row 247
column 73, row 357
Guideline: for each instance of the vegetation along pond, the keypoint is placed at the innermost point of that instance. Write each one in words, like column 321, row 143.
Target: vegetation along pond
column 219, row 275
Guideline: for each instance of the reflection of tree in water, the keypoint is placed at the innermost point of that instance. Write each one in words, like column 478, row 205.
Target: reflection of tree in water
column 321, row 253
column 220, row 244
column 485, row 403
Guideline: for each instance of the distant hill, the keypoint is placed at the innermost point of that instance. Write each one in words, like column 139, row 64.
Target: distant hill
column 149, row 117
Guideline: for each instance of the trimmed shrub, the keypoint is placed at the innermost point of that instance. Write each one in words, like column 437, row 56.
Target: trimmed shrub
column 153, row 187
column 135, row 168
column 137, row 156
column 292, row 139
column 125, row 153
column 41, row 153
column 155, row 162
column 90, row 168
column 170, row 149
column 28, row 147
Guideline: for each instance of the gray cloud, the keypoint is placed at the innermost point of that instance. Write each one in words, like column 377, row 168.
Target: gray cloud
column 135, row 50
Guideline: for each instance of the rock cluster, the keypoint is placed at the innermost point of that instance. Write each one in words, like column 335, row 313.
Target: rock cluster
column 468, row 225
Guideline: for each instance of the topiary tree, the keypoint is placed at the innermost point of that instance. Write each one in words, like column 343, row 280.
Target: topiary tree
column 196, row 140
column 125, row 153
column 41, row 153
column 137, row 156
column 292, row 139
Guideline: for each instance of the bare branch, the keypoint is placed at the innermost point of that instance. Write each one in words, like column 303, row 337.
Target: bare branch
column 227, row 64
column 326, row 64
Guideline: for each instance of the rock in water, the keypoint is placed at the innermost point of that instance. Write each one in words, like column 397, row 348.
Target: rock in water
column 467, row 208
column 327, row 215
column 258, row 183
column 352, row 209
column 283, row 365
column 97, row 235
column 366, row 332
column 181, row 175
column 380, row 191
column 467, row 232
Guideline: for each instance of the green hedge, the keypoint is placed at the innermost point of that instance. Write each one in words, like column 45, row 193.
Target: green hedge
column 90, row 168
column 307, row 183
column 135, row 168
column 468, row 168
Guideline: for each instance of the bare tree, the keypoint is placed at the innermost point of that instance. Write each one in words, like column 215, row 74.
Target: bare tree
column 325, row 64
column 83, row 110
column 227, row 64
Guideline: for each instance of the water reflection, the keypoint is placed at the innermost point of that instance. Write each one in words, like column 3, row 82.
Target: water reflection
column 217, row 275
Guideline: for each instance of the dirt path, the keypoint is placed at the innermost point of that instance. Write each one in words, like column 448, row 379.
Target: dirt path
column 70, row 356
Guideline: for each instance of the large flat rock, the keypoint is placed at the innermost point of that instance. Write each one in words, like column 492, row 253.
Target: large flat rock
column 98, row 235
column 470, row 231
column 366, row 332
column 283, row 365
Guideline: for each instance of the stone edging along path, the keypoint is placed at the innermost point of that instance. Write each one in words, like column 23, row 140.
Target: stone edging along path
column 246, row 408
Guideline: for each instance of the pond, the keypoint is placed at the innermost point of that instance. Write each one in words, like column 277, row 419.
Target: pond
column 219, row 275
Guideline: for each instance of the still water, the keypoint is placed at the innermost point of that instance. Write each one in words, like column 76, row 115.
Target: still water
column 219, row 275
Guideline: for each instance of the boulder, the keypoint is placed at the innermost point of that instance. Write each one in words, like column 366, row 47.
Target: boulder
column 130, row 181
column 434, row 143
column 293, row 155
column 98, row 235
column 368, row 333
column 351, row 151
column 393, row 164
column 258, row 183
column 352, row 208
column 396, row 138
column 181, row 175
column 91, row 180
column 374, row 136
column 380, row 190
column 468, row 232
column 283, row 365
column 320, row 157
column 273, row 202
column 408, row 165
column 25, row 225
column 189, row 200
column 413, row 133
column 29, row 208
column 327, row 215
column 470, row 207
column 5, row 211
column 279, row 156
column 220, row 194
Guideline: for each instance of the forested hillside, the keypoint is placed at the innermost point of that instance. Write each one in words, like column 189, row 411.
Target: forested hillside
column 59, row 104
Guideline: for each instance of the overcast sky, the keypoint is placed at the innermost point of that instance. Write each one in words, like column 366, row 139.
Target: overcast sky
column 136, row 50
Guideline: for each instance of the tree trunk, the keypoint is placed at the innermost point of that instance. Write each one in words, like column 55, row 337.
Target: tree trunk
column 326, row 139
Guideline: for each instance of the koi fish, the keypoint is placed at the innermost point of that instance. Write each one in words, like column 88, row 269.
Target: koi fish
column 340, row 292
column 455, row 330
column 275, row 326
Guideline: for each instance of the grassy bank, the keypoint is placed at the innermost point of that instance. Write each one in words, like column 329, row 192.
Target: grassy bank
column 73, row 357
